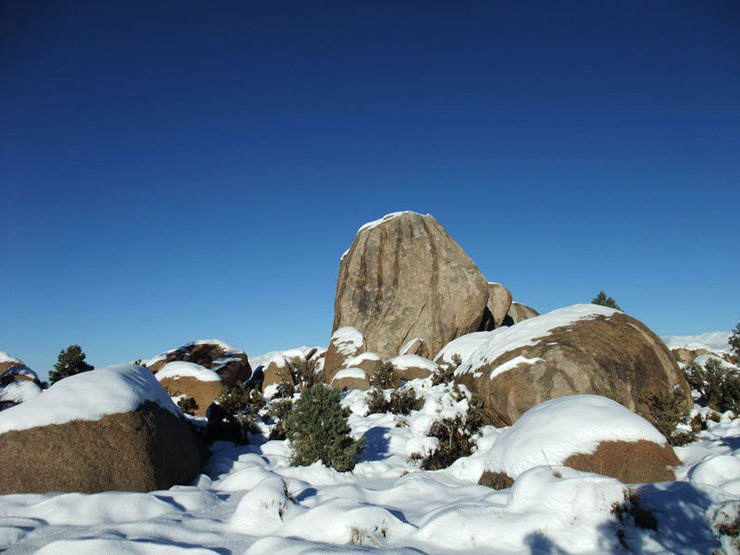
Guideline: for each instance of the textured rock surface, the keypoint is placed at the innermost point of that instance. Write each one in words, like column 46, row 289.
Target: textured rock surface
column 143, row 450
column 616, row 356
column 519, row 312
column 405, row 277
column 346, row 343
column 415, row 346
column 351, row 378
column 499, row 302
column 204, row 393
column 231, row 364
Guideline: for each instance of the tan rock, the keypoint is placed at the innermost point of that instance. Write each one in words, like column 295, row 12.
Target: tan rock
column 204, row 393
column 351, row 378
column 411, row 367
column 229, row 363
column 143, row 450
column 519, row 312
column 415, row 346
column 569, row 351
column 499, row 303
column 346, row 343
column 405, row 277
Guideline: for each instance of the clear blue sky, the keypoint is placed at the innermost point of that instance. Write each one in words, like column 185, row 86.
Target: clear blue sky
column 171, row 171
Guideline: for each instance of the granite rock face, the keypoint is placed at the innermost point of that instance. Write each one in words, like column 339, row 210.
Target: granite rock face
column 404, row 277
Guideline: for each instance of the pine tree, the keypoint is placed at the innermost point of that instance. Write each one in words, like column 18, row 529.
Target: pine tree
column 603, row 300
column 317, row 428
column 735, row 342
column 71, row 361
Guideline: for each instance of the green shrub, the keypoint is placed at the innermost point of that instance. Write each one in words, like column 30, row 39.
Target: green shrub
column 496, row 480
column 445, row 372
column 71, row 361
column 456, row 437
column 188, row 405
column 719, row 386
column 400, row 401
column 317, row 428
column 664, row 411
column 735, row 342
column 279, row 412
column 298, row 376
column 243, row 405
column 603, row 300
column 384, row 377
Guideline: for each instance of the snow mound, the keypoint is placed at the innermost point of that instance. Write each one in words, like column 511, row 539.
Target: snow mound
column 88, row 396
column 386, row 218
column 528, row 333
column 359, row 359
column 179, row 369
column 347, row 340
column 717, row 341
column 550, row 432
column 19, row 392
column 404, row 362
column 702, row 360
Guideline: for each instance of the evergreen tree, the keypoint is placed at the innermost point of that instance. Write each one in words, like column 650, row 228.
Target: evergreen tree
column 603, row 300
column 735, row 342
column 317, row 428
column 71, row 361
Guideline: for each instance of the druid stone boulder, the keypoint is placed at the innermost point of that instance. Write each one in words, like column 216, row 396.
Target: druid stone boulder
column 577, row 349
column 405, row 277
column 346, row 343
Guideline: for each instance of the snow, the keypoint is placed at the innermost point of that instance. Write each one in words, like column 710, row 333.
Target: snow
column 88, row 396
column 370, row 225
column 548, row 433
column 5, row 357
column 179, row 369
column 19, row 392
column 21, row 371
column 702, row 360
column 358, row 373
column 527, row 333
column 513, row 363
column 404, row 362
column 364, row 357
column 463, row 346
column 250, row 500
column 717, row 341
column 348, row 340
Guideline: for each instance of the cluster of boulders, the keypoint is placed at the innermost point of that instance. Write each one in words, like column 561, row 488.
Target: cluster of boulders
column 407, row 296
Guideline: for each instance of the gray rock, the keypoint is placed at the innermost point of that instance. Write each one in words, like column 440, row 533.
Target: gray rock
column 519, row 312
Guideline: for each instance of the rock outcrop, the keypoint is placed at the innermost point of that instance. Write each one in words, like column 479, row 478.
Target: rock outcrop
column 113, row 429
column 191, row 380
column 346, row 343
column 578, row 349
column 499, row 302
column 230, row 363
column 519, row 312
column 405, row 277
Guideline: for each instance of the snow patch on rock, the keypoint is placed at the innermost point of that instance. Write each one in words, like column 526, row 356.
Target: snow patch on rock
column 180, row 369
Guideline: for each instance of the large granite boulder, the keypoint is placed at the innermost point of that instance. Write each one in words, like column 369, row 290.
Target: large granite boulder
column 405, row 277
column 113, row 429
column 588, row 433
column 578, row 349
column 230, row 363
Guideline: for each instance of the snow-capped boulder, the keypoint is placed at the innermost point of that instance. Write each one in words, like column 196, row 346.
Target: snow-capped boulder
column 410, row 367
column 230, row 363
column 519, row 312
column 346, row 343
column 405, row 277
column 369, row 362
column 192, row 380
column 109, row 429
column 351, row 378
column 578, row 349
column 588, row 433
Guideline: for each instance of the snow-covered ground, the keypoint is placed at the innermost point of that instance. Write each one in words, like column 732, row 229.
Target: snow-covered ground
column 250, row 500
column 716, row 341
